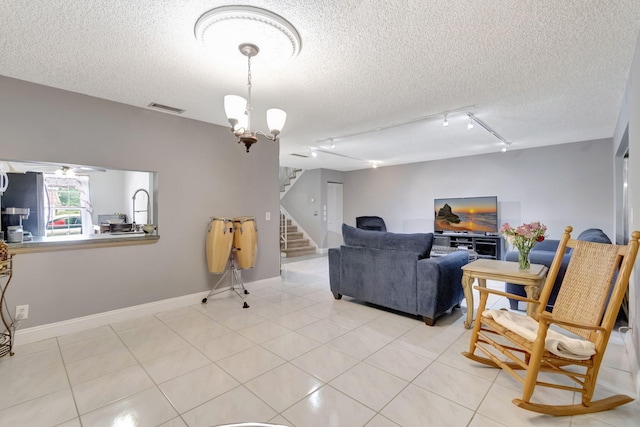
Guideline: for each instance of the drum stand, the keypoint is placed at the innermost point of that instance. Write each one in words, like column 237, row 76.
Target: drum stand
column 236, row 279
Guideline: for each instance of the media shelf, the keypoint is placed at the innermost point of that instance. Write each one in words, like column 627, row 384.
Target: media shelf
column 491, row 247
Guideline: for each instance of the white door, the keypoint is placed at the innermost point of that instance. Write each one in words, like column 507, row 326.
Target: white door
column 333, row 214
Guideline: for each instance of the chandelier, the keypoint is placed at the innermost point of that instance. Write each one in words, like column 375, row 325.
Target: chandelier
column 225, row 29
column 238, row 109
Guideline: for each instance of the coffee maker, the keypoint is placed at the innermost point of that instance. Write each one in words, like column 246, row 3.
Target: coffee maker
column 12, row 223
column 22, row 203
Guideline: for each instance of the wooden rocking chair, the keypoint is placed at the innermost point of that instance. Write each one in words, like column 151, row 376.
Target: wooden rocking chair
column 587, row 306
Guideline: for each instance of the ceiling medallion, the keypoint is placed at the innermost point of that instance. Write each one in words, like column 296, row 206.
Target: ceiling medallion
column 223, row 29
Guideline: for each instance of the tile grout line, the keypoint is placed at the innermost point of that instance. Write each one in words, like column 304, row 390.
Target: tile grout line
column 66, row 372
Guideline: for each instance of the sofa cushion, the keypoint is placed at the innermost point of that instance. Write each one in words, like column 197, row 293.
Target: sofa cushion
column 419, row 243
column 594, row 235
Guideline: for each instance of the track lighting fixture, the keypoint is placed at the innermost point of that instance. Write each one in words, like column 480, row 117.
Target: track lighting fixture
column 486, row 127
column 333, row 144
column 460, row 111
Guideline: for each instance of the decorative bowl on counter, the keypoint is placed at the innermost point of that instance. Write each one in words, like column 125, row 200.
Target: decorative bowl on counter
column 148, row 228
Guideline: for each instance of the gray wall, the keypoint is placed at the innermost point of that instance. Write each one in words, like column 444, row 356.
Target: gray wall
column 298, row 203
column 202, row 172
column 569, row 184
column 311, row 185
column 630, row 116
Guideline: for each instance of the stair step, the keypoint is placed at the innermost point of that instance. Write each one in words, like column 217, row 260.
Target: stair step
column 294, row 235
column 293, row 252
column 290, row 228
column 295, row 243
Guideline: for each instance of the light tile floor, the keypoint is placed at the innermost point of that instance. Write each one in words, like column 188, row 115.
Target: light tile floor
column 295, row 357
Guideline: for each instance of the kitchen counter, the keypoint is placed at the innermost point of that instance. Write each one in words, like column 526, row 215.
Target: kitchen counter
column 65, row 243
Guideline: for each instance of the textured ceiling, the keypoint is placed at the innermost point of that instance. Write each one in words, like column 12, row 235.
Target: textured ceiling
column 538, row 72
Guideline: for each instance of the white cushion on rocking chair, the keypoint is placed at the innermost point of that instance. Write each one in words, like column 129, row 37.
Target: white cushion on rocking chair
column 555, row 343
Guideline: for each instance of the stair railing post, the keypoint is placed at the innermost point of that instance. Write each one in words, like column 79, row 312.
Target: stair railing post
column 284, row 230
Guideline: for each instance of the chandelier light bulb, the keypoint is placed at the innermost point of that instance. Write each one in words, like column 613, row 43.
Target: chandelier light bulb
column 275, row 120
column 234, row 107
column 445, row 123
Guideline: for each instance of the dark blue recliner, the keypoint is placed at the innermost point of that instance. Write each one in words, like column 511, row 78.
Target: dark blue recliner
column 543, row 253
column 374, row 223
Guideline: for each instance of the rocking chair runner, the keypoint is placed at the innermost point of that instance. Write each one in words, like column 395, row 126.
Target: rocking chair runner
column 587, row 306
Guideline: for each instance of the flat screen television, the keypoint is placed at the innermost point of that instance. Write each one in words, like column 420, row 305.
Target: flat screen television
column 466, row 214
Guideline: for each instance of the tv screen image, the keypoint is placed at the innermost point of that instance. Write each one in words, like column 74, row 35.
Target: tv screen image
column 467, row 214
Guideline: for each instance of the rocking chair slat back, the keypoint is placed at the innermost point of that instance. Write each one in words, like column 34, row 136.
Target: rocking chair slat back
column 587, row 284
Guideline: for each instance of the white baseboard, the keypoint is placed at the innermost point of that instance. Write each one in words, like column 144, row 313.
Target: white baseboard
column 52, row 330
column 633, row 360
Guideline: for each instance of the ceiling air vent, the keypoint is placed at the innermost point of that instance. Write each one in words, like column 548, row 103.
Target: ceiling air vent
column 166, row 108
column 299, row 155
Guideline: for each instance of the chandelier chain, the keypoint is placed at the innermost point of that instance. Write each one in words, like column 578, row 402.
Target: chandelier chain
column 249, row 106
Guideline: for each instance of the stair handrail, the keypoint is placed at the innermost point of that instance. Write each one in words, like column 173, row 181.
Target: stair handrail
column 286, row 174
column 305, row 235
column 284, row 232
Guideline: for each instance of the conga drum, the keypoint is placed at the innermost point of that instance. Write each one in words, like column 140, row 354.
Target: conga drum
column 219, row 242
column 245, row 240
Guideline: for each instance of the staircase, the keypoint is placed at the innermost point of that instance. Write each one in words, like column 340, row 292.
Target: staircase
column 292, row 241
column 288, row 176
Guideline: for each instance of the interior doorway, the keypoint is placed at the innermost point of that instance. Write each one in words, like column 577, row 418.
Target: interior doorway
column 334, row 214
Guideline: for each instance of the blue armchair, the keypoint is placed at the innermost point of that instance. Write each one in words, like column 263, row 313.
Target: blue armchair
column 543, row 253
column 371, row 223
column 394, row 270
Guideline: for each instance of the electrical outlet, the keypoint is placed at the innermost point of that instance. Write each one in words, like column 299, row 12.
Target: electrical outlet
column 22, row 312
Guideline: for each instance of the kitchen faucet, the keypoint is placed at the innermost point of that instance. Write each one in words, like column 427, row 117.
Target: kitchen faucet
column 148, row 205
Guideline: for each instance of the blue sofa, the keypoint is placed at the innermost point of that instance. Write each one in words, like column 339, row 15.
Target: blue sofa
column 394, row 271
column 543, row 253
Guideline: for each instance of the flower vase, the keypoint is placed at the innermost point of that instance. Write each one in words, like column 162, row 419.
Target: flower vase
column 523, row 258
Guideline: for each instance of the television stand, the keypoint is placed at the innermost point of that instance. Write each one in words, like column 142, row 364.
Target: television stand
column 489, row 247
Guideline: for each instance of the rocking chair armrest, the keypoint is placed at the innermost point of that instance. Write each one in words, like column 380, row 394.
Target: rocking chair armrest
column 506, row 294
column 548, row 317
